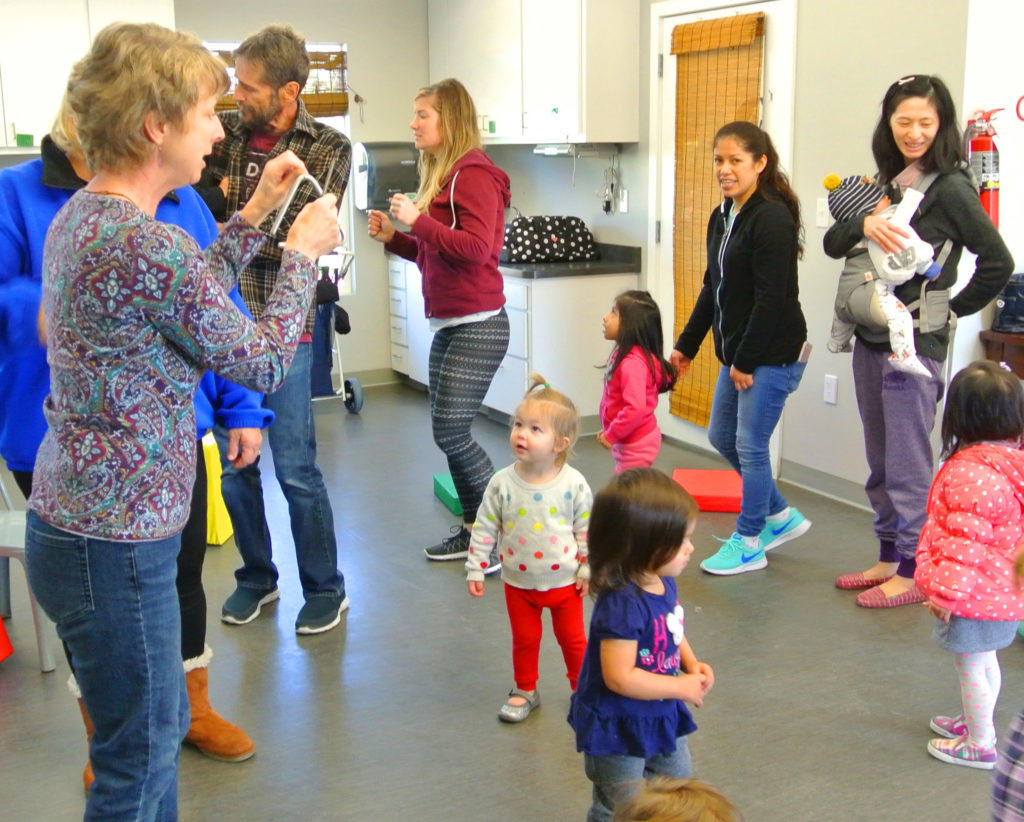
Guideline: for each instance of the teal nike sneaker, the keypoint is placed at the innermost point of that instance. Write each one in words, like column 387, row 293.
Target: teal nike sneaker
column 734, row 557
column 775, row 533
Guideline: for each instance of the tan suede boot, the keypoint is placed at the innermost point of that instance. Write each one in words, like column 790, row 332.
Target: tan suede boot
column 210, row 733
column 87, row 775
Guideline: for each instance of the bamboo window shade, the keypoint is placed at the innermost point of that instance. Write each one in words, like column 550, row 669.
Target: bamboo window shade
column 718, row 80
column 326, row 90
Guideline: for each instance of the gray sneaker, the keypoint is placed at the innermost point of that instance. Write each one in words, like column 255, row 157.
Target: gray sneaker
column 493, row 562
column 320, row 614
column 244, row 604
column 454, row 547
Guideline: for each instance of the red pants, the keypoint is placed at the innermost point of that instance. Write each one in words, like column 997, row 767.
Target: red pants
column 524, row 608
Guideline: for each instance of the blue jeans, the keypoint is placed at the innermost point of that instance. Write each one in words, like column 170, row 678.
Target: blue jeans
column 740, row 427
column 292, row 438
column 616, row 777
column 115, row 606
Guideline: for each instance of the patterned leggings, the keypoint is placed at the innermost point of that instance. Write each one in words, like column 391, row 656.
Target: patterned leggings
column 980, row 681
column 463, row 361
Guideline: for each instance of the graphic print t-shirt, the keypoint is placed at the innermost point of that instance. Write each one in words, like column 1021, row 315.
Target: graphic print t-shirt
column 261, row 143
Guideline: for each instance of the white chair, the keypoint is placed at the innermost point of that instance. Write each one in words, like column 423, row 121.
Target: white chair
column 12, row 545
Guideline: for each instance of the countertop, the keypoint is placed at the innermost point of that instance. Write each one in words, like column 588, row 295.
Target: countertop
column 615, row 259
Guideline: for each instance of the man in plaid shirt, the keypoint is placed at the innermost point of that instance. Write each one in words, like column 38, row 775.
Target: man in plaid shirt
column 271, row 67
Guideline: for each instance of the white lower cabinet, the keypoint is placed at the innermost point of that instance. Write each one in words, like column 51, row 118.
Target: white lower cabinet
column 398, row 315
column 509, row 383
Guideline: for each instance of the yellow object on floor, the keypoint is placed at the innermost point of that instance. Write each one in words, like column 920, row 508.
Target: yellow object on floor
column 218, row 524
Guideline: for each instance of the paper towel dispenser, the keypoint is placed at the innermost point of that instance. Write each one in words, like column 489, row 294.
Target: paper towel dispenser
column 382, row 169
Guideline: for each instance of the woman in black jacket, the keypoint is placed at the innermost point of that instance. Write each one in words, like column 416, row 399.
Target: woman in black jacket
column 750, row 301
column 916, row 141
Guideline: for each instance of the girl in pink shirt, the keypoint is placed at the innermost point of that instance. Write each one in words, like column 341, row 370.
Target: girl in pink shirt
column 965, row 557
column 637, row 374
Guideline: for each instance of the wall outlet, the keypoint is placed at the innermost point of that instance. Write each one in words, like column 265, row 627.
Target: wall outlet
column 831, row 389
column 623, row 201
column 822, row 217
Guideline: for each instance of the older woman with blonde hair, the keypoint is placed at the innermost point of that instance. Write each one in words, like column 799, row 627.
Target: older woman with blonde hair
column 31, row 194
column 135, row 311
column 457, row 228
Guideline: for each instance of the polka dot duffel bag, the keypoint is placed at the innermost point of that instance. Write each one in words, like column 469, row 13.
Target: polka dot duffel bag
column 547, row 240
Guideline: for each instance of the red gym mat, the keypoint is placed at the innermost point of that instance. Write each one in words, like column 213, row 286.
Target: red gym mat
column 714, row 490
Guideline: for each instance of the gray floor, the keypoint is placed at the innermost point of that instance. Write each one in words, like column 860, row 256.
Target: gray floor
column 820, row 710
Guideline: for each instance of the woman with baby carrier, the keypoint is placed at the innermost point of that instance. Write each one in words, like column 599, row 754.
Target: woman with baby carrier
column 916, row 144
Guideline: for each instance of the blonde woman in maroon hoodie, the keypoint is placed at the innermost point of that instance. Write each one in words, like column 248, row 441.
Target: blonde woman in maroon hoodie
column 457, row 225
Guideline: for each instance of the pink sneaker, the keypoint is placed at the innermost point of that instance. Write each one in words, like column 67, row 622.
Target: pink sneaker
column 961, row 752
column 950, row 727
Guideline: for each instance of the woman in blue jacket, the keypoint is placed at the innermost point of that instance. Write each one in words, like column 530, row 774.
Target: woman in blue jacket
column 30, row 195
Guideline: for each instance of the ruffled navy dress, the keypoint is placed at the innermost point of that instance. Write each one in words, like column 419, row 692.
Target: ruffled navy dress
column 607, row 723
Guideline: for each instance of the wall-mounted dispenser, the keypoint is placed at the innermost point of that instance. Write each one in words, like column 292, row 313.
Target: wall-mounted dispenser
column 380, row 170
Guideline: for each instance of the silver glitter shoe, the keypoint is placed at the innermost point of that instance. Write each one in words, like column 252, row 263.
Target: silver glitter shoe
column 517, row 713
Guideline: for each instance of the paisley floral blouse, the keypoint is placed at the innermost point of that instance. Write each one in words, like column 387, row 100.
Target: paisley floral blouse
column 135, row 313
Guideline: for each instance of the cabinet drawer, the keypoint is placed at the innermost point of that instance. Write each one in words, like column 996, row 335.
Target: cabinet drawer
column 399, row 330
column 517, row 294
column 518, row 334
column 508, row 386
column 396, row 275
column 400, row 358
column 397, row 307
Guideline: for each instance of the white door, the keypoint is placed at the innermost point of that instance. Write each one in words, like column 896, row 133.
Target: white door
column 777, row 120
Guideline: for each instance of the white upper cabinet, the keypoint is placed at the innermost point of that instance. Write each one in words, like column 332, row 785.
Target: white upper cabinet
column 38, row 45
column 543, row 70
column 40, row 42
column 553, row 71
column 479, row 44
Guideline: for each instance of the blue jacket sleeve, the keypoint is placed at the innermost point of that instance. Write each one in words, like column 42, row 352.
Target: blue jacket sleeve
column 236, row 406
column 21, row 288
column 217, row 399
column 19, row 310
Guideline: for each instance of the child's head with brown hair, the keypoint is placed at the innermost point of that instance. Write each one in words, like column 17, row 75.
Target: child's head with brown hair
column 985, row 402
column 637, row 525
column 676, row 800
column 635, row 322
column 556, row 409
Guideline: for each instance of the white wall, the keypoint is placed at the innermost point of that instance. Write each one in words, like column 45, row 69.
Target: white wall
column 992, row 79
column 387, row 62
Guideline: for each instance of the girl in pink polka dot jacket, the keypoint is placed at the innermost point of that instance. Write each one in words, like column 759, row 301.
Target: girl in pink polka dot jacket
column 965, row 557
column 532, row 525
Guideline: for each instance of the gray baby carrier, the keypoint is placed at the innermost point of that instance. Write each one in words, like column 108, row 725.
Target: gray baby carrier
column 857, row 288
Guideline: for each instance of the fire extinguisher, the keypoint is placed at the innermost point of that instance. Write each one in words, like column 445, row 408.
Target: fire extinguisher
column 983, row 156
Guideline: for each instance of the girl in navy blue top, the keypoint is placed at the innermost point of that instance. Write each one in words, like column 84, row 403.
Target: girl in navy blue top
column 639, row 670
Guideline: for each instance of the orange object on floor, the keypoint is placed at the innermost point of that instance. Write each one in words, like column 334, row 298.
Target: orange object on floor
column 5, row 644
column 714, row 490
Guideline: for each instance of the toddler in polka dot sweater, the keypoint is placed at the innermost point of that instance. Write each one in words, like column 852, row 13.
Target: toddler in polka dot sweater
column 966, row 553
column 536, row 511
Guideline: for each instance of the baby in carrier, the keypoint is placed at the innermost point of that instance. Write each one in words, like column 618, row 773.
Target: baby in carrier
column 866, row 295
